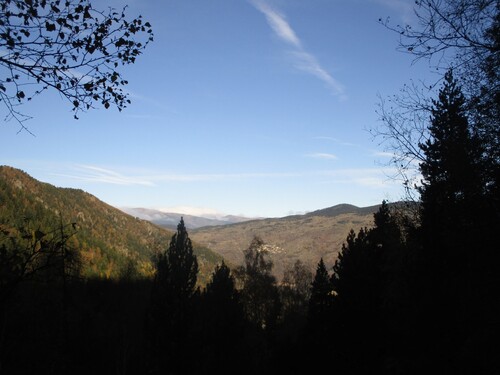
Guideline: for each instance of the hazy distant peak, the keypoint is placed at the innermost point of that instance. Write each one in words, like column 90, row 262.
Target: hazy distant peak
column 171, row 219
column 192, row 211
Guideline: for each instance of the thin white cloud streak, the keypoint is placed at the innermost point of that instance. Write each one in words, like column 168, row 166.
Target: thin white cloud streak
column 303, row 60
column 278, row 23
column 218, row 177
column 144, row 117
column 366, row 177
column 89, row 173
column 369, row 177
column 151, row 101
column 306, row 62
column 404, row 8
column 336, row 140
column 95, row 174
column 322, row 155
column 384, row 154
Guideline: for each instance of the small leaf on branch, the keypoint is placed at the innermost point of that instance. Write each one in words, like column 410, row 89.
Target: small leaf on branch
column 50, row 26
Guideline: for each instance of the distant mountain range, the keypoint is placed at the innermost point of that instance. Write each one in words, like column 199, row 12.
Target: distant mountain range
column 108, row 240
column 171, row 219
column 308, row 238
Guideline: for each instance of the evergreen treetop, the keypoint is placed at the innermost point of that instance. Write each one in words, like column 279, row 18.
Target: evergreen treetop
column 183, row 265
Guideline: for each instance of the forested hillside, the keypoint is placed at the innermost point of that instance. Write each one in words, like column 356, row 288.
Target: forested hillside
column 109, row 241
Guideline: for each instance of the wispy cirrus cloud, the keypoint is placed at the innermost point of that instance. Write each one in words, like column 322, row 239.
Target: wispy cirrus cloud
column 308, row 63
column 335, row 140
column 96, row 174
column 384, row 154
column 367, row 177
column 403, row 8
column 322, row 155
column 302, row 59
column 278, row 23
column 219, row 177
column 376, row 178
column 90, row 173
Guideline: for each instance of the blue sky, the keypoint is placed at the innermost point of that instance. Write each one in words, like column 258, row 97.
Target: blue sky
column 252, row 107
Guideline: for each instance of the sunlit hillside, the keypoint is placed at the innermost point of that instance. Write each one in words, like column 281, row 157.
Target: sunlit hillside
column 108, row 240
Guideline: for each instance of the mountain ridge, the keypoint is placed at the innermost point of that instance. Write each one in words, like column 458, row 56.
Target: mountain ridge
column 169, row 220
column 108, row 239
column 308, row 237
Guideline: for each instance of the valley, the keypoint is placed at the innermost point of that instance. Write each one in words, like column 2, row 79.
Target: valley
column 110, row 240
column 307, row 238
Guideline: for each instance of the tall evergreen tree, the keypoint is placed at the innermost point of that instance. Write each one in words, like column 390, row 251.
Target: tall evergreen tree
column 356, row 282
column 450, row 192
column 182, row 264
column 321, row 320
column 221, row 287
column 386, row 231
column 320, row 303
column 172, row 304
column 451, row 188
column 369, row 287
column 354, row 267
column 458, row 254
column 486, row 111
column 451, row 168
column 222, row 330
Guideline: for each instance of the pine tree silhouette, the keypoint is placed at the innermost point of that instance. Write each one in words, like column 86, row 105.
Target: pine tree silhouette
column 457, row 253
column 172, row 303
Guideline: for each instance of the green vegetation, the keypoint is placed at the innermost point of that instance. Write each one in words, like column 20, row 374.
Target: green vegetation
column 108, row 241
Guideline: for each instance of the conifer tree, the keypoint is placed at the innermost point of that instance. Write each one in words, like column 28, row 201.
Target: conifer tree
column 320, row 302
column 353, row 266
column 367, row 284
column 172, row 304
column 451, row 166
column 322, row 338
column 182, row 264
column 222, row 329
column 221, row 287
column 451, row 188
column 386, row 231
column 456, row 251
